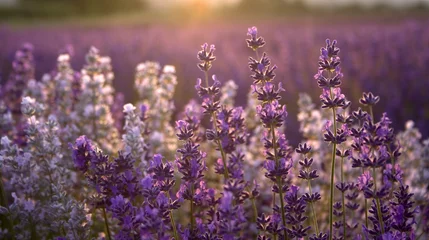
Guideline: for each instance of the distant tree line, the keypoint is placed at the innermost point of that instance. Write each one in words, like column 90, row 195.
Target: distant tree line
column 300, row 6
column 83, row 7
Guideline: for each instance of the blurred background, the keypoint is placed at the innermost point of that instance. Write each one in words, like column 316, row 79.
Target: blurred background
column 384, row 44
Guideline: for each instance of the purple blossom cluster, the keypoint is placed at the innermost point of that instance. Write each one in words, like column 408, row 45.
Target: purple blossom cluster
column 76, row 164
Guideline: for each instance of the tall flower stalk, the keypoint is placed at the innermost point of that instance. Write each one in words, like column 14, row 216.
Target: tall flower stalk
column 272, row 115
column 210, row 103
column 307, row 174
column 191, row 164
column 329, row 79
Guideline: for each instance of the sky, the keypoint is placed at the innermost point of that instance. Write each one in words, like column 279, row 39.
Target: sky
column 161, row 3
column 396, row 3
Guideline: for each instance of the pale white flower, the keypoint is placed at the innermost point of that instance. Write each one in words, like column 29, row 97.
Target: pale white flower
column 169, row 69
column 409, row 124
column 28, row 100
column 32, row 121
column 128, row 108
column 157, row 138
column 63, row 58
column 89, row 109
column 104, row 60
column 86, row 79
column 5, row 141
column 46, row 77
column 99, row 78
column 32, row 84
column 140, row 67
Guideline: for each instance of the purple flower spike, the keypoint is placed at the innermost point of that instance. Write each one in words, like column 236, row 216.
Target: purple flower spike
column 82, row 152
column 254, row 42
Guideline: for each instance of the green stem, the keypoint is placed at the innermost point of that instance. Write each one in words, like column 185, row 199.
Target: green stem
column 5, row 220
column 255, row 210
column 173, row 224
column 106, row 223
column 32, row 229
column 219, row 144
column 192, row 208
column 392, row 158
column 313, row 213
column 331, row 198
column 366, row 209
column 380, row 217
column 279, row 181
column 257, row 54
column 343, row 199
column 222, row 153
column 371, row 114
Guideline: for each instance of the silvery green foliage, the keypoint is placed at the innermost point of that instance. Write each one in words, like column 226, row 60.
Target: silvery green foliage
column 56, row 90
column 36, row 178
column 65, row 94
column 254, row 149
column 37, row 89
column 133, row 138
column 146, row 80
column 250, row 111
column 156, row 90
column 312, row 120
column 228, row 93
column 63, row 91
column 415, row 154
column 6, row 119
column 92, row 114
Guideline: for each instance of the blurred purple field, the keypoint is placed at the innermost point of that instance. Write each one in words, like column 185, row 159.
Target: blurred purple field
column 390, row 59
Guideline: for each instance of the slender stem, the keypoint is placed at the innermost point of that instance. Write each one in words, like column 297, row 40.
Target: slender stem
column 392, row 158
column 32, row 229
column 421, row 234
column 222, row 153
column 206, row 77
column 274, row 199
column 106, row 223
column 279, row 181
column 255, row 210
column 313, row 213
column 218, row 142
column 332, row 188
column 3, row 200
column 366, row 209
column 371, row 114
column 173, row 224
column 343, row 199
column 366, row 201
column 257, row 54
column 380, row 217
column 192, row 208
column 5, row 220
column 50, row 178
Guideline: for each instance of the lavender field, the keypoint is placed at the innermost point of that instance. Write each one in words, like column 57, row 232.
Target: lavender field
column 389, row 59
column 216, row 131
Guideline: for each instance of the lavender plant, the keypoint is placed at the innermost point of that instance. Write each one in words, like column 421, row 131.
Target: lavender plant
column 66, row 173
column 156, row 92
